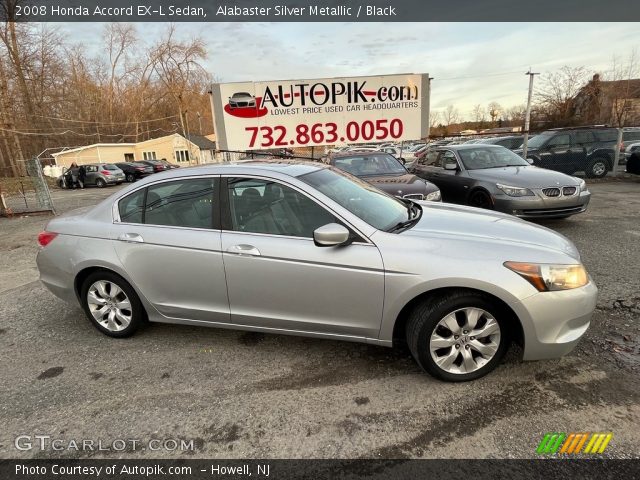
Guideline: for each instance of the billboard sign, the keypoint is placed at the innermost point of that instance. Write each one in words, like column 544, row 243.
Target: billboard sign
column 334, row 111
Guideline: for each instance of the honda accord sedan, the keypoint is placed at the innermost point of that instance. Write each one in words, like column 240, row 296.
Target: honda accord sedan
column 495, row 178
column 305, row 249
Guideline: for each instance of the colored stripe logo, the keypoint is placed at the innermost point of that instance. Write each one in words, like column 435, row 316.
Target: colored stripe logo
column 573, row 443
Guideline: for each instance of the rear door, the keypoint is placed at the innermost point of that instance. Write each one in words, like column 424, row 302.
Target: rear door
column 557, row 154
column 168, row 240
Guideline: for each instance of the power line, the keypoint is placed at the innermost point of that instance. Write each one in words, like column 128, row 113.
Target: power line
column 130, row 122
column 72, row 132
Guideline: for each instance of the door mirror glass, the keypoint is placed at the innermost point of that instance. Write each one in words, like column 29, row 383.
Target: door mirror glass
column 449, row 165
column 330, row 235
column 530, row 160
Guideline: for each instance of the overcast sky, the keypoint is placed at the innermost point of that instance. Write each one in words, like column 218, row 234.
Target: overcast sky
column 470, row 62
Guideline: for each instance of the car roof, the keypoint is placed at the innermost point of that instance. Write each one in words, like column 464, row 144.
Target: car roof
column 468, row 146
column 290, row 167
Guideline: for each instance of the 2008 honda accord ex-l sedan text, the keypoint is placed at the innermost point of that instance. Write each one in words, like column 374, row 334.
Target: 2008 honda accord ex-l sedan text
column 302, row 248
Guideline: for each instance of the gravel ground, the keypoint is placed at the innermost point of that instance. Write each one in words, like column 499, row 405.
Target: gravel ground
column 267, row 396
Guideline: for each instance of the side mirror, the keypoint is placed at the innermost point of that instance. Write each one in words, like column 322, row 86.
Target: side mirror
column 403, row 161
column 330, row 235
column 451, row 166
column 530, row 160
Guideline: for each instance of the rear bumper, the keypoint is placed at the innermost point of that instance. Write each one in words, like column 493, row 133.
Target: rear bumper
column 539, row 207
column 554, row 322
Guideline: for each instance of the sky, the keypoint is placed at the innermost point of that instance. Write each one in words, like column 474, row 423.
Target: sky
column 471, row 63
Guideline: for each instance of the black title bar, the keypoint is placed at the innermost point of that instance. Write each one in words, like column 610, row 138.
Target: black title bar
column 318, row 10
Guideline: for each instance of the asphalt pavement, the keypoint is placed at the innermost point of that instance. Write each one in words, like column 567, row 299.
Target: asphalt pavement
column 231, row 394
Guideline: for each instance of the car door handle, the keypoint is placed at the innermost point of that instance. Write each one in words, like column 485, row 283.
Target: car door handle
column 244, row 249
column 131, row 238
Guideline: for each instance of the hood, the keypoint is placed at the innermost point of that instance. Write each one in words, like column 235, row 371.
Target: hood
column 458, row 221
column 405, row 184
column 525, row 177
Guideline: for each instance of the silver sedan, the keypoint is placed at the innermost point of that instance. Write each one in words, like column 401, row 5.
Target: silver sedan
column 304, row 249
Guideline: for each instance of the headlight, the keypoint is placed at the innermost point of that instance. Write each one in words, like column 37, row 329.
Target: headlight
column 547, row 278
column 515, row 191
column 583, row 185
column 434, row 196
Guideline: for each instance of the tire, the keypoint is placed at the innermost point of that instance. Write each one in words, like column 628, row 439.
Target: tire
column 131, row 177
column 100, row 183
column 480, row 199
column 597, row 168
column 426, row 325
column 97, row 293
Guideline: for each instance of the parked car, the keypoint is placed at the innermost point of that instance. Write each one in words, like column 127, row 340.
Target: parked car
column 385, row 172
column 168, row 165
column 569, row 150
column 134, row 171
column 512, row 142
column 98, row 175
column 633, row 160
column 493, row 177
column 306, row 249
column 157, row 165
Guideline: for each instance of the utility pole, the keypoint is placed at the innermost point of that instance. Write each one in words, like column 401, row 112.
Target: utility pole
column 527, row 115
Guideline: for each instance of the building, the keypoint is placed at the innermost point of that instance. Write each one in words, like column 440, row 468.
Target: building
column 174, row 148
column 609, row 102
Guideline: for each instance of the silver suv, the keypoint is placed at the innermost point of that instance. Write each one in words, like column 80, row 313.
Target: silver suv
column 306, row 249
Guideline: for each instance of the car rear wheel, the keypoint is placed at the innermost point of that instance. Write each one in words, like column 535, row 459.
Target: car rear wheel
column 111, row 304
column 131, row 177
column 597, row 168
column 480, row 199
column 100, row 183
column 458, row 336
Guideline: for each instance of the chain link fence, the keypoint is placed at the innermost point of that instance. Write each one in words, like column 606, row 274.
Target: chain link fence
column 27, row 194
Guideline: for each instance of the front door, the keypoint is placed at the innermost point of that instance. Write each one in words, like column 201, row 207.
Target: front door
column 278, row 278
column 168, row 238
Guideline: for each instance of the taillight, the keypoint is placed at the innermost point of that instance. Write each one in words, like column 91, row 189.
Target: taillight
column 45, row 238
column 105, row 172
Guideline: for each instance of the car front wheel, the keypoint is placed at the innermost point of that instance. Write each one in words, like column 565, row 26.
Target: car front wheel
column 458, row 336
column 131, row 177
column 597, row 168
column 111, row 304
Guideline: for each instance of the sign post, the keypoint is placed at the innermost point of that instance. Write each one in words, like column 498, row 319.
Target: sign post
column 309, row 113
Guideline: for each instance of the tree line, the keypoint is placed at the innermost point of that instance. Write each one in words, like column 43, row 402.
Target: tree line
column 54, row 94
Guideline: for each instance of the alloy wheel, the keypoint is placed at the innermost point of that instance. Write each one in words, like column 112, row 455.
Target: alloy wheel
column 599, row 169
column 109, row 305
column 465, row 340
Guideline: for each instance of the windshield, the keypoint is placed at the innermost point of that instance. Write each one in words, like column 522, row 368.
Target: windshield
column 365, row 165
column 479, row 157
column 538, row 140
column 371, row 205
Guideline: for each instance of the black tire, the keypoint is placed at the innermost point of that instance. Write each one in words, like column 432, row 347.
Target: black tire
column 597, row 168
column 480, row 199
column 131, row 177
column 138, row 314
column 100, row 183
column 426, row 316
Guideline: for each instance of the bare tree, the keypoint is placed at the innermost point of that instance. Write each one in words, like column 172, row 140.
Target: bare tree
column 494, row 109
column 478, row 113
column 557, row 93
column 450, row 115
column 620, row 91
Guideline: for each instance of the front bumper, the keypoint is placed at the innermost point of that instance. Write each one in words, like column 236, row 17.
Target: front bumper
column 538, row 206
column 554, row 322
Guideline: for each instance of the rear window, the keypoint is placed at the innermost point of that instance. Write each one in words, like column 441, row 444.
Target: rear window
column 607, row 135
column 110, row 167
column 630, row 135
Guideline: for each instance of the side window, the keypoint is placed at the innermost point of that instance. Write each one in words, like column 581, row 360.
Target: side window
column 430, row 159
column 559, row 141
column 92, row 169
column 263, row 206
column 131, row 207
column 183, row 203
column 609, row 135
column 583, row 138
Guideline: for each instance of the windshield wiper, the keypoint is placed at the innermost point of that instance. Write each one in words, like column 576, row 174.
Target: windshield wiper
column 414, row 213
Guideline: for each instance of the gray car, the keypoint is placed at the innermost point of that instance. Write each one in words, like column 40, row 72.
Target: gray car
column 97, row 174
column 305, row 249
column 495, row 178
